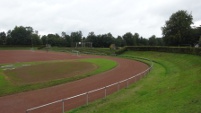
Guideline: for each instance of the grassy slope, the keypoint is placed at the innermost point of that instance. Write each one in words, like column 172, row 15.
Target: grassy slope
column 173, row 86
column 8, row 88
column 99, row 51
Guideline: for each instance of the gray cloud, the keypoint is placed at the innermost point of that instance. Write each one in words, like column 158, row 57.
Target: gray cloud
column 101, row 16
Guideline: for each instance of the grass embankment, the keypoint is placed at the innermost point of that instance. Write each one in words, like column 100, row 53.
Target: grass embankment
column 173, row 86
column 97, row 51
column 7, row 87
column 82, row 50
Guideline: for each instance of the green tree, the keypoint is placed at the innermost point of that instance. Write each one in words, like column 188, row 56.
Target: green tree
column 21, row 35
column 67, row 40
column 177, row 30
column 135, row 39
column 35, row 38
column 75, row 37
column 159, row 42
column 93, row 38
column 196, row 33
column 152, row 40
column 128, row 37
column 63, row 34
column 106, row 39
column 119, row 42
column 44, row 40
column 2, row 38
column 143, row 41
column 199, row 42
column 9, row 40
column 55, row 40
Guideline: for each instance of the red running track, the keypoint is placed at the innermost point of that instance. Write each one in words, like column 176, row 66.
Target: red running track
column 19, row 103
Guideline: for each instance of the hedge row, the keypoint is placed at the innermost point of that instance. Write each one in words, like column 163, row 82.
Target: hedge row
column 183, row 50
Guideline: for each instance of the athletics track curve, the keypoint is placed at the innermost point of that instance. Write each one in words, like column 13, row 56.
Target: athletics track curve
column 19, row 103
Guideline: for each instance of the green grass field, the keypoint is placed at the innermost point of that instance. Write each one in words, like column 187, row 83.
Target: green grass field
column 48, row 71
column 173, row 86
column 10, row 85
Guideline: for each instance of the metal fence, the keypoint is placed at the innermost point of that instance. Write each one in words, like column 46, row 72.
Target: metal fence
column 60, row 106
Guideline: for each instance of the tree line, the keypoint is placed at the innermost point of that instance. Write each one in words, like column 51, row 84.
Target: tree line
column 21, row 35
column 177, row 31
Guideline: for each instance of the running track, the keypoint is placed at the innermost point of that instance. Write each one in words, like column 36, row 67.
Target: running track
column 19, row 103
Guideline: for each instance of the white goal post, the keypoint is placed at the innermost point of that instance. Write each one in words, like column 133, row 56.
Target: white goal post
column 76, row 52
column 83, row 44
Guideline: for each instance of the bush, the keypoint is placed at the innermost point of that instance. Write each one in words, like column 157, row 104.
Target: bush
column 120, row 51
column 41, row 47
column 184, row 50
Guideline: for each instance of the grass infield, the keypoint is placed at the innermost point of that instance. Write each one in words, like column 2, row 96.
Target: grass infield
column 48, row 71
column 173, row 86
column 19, row 77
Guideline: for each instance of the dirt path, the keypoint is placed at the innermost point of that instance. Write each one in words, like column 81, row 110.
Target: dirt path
column 18, row 103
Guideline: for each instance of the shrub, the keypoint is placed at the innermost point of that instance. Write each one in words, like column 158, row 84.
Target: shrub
column 184, row 50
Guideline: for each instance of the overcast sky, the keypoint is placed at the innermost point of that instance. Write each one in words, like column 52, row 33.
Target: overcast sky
column 145, row 17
